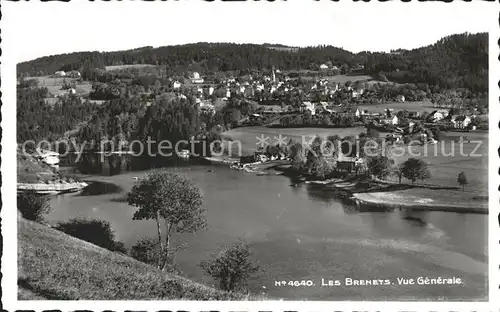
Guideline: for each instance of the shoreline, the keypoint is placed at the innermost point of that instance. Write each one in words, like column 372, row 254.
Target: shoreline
column 371, row 200
column 53, row 188
column 378, row 201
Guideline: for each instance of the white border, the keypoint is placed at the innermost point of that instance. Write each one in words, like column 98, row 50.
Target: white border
column 9, row 47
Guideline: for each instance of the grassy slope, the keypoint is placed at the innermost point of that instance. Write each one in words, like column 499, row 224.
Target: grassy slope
column 53, row 265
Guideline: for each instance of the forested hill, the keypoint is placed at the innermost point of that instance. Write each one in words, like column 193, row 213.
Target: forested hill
column 208, row 56
column 453, row 62
column 457, row 61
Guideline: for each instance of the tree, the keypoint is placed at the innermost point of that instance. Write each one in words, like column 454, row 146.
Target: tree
column 33, row 206
column 97, row 232
column 231, row 266
column 379, row 166
column 173, row 198
column 398, row 172
column 414, row 169
column 462, row 180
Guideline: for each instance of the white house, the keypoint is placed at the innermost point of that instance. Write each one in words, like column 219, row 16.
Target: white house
column 444, row 112
column 310, row 107
column 355, row 93
column 176, row 84
column 391, row 120
column 400, row 98
column 460, row 122
column 60, row 73
column 435, row 116
column 196, row 78
column 323, row 66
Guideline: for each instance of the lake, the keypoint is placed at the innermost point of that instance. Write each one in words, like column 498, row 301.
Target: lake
column 304, row 233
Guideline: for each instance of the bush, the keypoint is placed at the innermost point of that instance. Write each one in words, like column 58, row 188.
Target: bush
column 33, row 206
column 97, row 232
column 231, row 266
column 147, row 250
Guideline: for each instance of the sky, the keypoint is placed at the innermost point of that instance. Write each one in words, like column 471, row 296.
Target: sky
column 40, row 29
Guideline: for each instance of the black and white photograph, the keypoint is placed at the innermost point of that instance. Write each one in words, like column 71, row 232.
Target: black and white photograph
column 250, row 153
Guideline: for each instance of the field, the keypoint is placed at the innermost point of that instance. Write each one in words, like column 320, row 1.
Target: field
column 247, row 136
column 54, row 85
column 419, row 106
column 445, row 169
column 56, row 266
column 118, row 67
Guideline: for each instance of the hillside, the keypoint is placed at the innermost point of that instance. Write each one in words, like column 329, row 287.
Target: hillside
column 55, row 266
column 456, row 61
column 30, row 170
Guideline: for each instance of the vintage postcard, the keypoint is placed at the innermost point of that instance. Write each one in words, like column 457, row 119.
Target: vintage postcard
column 250, row 155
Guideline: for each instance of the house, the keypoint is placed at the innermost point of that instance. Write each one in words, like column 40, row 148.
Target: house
column 323, row 66
column 435, row 116
column 443, row 112
column 184, row 154
column 74, row 74
column 176, row 84
column 196, row 78
column 400, row 98
column 460, row 122
column 391, row 120
column 310, row 107
column 207, row 108
column 413, row 114
column 357, row 92
column 348, row 164
column 60, row 73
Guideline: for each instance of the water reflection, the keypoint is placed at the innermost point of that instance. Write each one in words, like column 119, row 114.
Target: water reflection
column 104, row 165
column 99, row 188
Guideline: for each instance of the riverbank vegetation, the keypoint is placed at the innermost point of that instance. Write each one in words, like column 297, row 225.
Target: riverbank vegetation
column 56, row 266
column 33, row 206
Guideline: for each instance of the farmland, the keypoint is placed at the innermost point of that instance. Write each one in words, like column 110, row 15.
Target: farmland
column 54, row 84
column 418, row 106
column 136, row 66
column 447, row 159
